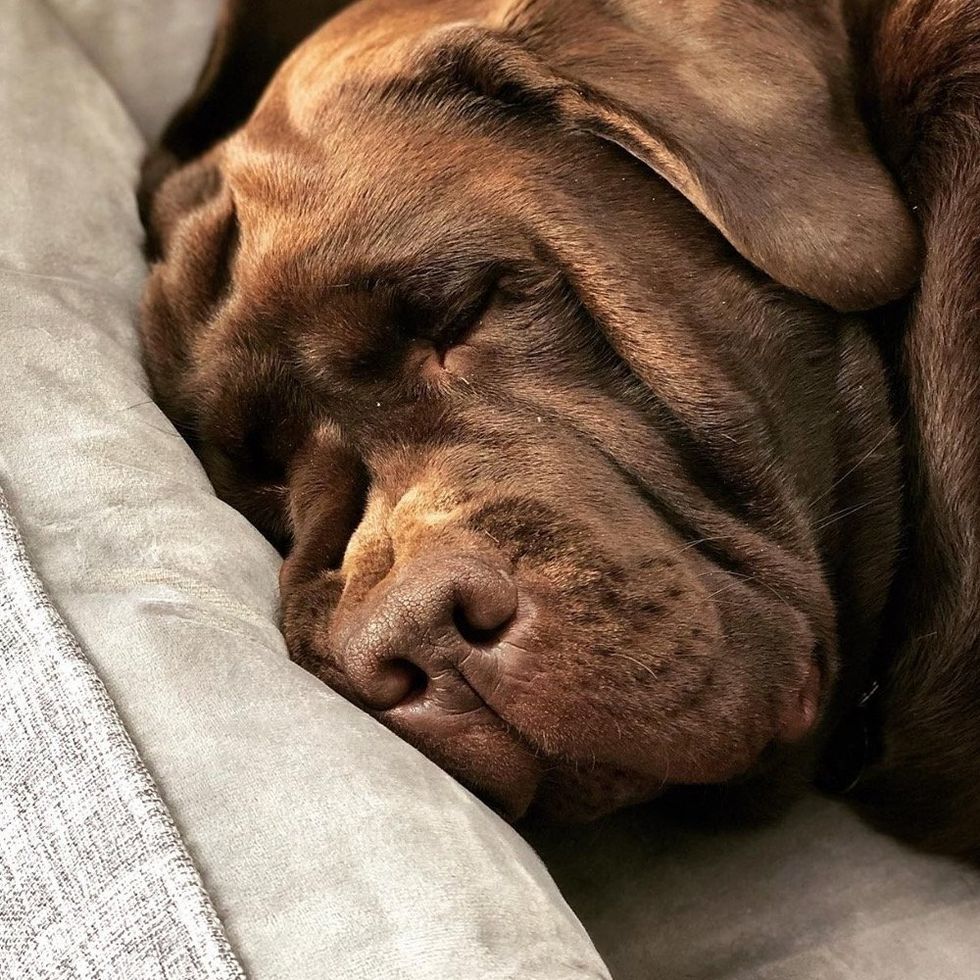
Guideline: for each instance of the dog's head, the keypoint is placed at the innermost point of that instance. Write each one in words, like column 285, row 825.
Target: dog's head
column 533, row 361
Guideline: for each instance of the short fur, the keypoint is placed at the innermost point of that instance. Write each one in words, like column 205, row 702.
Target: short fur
column 924, row 83
column 563, row 295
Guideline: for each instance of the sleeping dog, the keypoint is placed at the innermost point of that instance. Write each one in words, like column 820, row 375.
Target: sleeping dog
column 607, row 374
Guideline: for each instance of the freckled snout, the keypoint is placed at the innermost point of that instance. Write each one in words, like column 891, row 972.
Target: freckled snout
column 406, row 643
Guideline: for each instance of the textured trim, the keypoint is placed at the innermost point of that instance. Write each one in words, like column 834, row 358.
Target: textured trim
column 94, row 878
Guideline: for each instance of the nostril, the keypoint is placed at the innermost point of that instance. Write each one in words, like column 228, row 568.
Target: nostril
column 473, row 634
column 485, row 602
column 396, row 682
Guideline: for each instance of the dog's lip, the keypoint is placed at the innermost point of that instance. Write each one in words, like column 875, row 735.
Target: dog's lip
column 484, row 670
column 801, row 710
column 507, row 778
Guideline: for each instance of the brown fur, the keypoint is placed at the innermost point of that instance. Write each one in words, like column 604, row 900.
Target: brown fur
column 925, row 83
column 565, row 291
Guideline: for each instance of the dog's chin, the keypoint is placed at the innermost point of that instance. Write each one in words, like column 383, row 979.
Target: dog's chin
column 564, row 795
column 549, row 791
column 569, row 792
column 519, row 784
column 581, row 794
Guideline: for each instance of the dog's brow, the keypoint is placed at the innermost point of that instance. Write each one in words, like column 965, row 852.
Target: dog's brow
column 426, row 285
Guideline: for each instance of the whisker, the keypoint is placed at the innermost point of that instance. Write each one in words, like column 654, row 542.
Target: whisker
column 888, row 434
column 639, row 663
column 731, row 585
column 840, row 515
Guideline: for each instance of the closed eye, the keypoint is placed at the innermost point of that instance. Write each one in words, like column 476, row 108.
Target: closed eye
column 460, row 323
column 437, row 306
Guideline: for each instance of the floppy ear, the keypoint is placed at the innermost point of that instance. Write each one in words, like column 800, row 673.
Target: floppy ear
column 252, row 39
column 745, row 107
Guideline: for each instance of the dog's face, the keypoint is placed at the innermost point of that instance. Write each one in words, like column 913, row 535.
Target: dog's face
column 551, row 465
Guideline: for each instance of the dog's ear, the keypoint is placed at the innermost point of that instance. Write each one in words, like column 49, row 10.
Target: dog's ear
column 745, row 107
column 252, row 39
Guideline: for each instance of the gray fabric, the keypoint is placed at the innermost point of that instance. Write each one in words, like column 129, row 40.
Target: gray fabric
column 816, row 896
column 329, row 847
column 94, row 879
column 149, row 51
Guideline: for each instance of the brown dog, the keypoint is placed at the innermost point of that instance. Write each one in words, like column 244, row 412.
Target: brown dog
column 526, row 330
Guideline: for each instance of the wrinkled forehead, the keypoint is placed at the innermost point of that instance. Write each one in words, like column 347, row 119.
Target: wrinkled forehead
column 373, row 182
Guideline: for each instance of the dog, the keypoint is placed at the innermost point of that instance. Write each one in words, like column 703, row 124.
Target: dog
column 602, row 370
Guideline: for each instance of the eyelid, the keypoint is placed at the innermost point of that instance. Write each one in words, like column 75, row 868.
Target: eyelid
column 466, row 316
column 430, row 306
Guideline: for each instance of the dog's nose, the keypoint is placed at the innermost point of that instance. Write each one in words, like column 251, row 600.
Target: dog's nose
column 413, row 635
